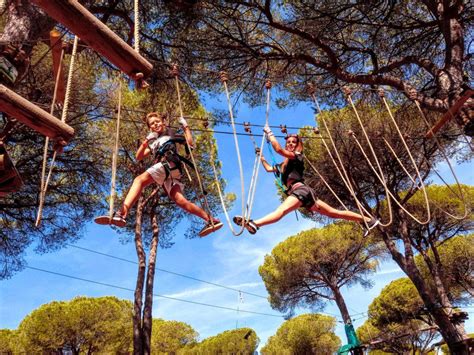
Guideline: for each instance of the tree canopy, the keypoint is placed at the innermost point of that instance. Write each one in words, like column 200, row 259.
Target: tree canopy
column 419, row 48
column 170, row 336
column 310, row 268
column 82, row 324
column 397, row 321
column 80, row 171
column 236, row 341
column 406, row 45
column 456, row 255
column 304, row 334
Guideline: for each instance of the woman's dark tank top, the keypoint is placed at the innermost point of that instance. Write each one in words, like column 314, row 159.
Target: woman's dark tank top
column 294, row 170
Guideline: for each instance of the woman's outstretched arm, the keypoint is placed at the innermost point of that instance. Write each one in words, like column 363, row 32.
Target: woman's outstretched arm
column 276, row 145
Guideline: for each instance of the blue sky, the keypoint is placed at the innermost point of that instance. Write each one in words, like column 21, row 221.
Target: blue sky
column 219, row 258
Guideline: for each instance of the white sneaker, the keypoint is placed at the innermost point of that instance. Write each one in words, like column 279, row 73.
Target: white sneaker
column 374, row 222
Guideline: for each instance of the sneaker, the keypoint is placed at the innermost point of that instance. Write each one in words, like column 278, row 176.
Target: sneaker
column 249, row 225
column 210, row 227
column 118, row 220
column 374, row 222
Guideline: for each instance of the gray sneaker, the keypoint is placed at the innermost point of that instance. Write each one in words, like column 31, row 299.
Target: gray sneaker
column 249, row 225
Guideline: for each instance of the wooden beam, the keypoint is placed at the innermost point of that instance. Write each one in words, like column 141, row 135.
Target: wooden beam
column 97, row 35
column 34, row 117
column 449, row 114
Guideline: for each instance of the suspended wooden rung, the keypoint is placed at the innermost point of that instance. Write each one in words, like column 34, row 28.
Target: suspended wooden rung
column 450, row 114
column 10, row 180
column 33, row 116
column 97, row 35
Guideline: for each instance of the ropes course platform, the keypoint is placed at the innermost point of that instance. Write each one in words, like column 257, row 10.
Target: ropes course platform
column 34, row 117
column 10, row 180
column 97, row 35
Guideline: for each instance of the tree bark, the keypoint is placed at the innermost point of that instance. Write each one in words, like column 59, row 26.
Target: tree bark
column 137, row 309
column 147, row 311
column 450, row 333
column 25, row 24
column 341, row 304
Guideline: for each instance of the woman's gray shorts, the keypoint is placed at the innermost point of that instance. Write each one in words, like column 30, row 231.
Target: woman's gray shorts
column 303, row 193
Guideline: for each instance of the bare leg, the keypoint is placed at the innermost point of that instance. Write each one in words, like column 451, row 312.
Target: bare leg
column 139, row 183
column 177, row 196
column 326, row 210
column 289, row 205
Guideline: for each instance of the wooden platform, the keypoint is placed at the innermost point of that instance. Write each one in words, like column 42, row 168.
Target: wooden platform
column 97, row 35
column 34, row 117
column 10, row 180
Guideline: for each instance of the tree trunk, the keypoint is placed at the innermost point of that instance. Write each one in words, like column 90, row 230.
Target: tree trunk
column 450, row 333
column 25, row 25
column 435, row 270
column 147, row 311
column 341, row 304
column 137, row 309
column 450, row 80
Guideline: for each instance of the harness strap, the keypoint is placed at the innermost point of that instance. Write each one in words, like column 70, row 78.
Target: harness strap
column 168, row 168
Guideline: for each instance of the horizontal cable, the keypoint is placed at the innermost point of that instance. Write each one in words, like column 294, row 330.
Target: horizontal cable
column 154, row 294
column 166, row 271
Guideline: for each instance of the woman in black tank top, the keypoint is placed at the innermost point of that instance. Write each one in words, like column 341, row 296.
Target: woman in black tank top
column 299, row 195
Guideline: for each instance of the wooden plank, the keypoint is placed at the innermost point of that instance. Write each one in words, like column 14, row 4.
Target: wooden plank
column 449, row 114
column 97, row 35
column 34, row 117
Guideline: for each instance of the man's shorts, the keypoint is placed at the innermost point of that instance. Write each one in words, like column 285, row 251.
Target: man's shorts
column 303, row 193
column 158, row 173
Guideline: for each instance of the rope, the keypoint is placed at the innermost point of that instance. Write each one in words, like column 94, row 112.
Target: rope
column 425, row 195
column 136, row 27
column 63, row 119
column 46, row 142
column 325, row 183
column 445, row 156
column 381, row 176
column 313, row 96
column 224, row 78
column 204, row 201
column 221, row 197
column 69, row 80
column 115, row 153
column 382, row 181
column 400, row 162
column 253, row 180
column 274, row 165
column 343, row 174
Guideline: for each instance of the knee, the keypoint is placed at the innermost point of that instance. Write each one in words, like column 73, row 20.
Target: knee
column 140, row 180
column 332, row 212
column 180, row 200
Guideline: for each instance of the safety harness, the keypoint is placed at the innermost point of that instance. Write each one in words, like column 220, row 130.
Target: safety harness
column 167, row 153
